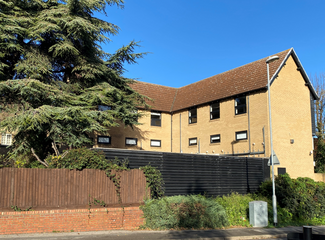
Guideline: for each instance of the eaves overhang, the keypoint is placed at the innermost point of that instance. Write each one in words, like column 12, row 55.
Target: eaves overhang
column 301, row 69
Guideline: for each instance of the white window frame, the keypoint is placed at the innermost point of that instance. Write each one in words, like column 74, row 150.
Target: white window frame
column 104, row 137
column 192, row 141
column 155, row 143
column 215, row 137
column 155, row 120
column 6, row 139
column 127, row 141
column 240, row 134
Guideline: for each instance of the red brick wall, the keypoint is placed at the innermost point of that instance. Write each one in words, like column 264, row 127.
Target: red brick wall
column 77, row 220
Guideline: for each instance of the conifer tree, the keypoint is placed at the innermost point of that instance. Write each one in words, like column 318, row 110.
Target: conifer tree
column 54, row 73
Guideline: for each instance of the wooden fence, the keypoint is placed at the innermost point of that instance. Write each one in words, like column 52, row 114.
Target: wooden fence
column 63, row 188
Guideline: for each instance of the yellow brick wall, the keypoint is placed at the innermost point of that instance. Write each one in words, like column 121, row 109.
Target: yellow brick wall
column 227, row 125
column 291, row 120
column 144, row 133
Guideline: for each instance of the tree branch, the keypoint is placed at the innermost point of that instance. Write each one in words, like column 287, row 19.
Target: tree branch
column 38, row 159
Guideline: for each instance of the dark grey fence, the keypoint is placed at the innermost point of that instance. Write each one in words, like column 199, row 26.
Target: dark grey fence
column 197, row 173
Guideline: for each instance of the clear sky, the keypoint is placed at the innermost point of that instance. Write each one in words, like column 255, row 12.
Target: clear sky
column 190, row 40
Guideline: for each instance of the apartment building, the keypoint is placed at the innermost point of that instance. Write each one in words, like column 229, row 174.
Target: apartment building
column 228, row 114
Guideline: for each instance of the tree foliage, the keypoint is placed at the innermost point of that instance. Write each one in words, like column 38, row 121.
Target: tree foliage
column 54, row 73
column 319, row 153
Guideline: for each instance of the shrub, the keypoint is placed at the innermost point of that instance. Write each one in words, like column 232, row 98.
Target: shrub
column 302, row 197
column 237, row 208
column 154, row 181
column 190, row 212
column 81, row 158
column 5, row 161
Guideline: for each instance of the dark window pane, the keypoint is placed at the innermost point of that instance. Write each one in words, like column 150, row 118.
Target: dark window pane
column 156, row 119
column 215, row 111
column 192, row 115
column 215, row 138
column 240, row 105
column 104, row 108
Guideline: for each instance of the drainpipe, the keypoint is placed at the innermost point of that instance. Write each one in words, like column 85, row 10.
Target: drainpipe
column 249, row 125
column 180, row 133
column 171, row 132
column 249, row 152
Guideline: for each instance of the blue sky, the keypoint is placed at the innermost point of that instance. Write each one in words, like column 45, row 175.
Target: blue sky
column 190, row 40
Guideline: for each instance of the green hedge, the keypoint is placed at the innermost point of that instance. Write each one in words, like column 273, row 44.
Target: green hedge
column 302, row 197
column 189, row 212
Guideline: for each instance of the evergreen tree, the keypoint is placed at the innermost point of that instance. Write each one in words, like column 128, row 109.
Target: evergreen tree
column 54, row 73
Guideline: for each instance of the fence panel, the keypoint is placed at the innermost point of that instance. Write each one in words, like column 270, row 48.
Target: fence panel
column 198, row 173
column 64, row 188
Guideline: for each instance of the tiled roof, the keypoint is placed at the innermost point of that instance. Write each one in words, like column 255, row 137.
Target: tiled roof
column 250, row 77
column 162, row 96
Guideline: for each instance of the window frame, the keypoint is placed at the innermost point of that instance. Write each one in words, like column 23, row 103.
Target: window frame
column 156, row 140
column 241, row 106
column 153, row 113
column 215, row 135
column 102, row 136
column 216, row 111
column 189, row 141
column 240, row 132
column 127, row 138
column 5, row 142
column 190, row 117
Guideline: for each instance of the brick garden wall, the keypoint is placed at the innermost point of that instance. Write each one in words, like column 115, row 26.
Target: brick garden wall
column 77, row 220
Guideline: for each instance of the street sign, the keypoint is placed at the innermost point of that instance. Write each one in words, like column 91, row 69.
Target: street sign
column 275, row 159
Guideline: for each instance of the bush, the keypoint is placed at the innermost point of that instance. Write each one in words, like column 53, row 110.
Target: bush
column 5, row 161
column 190, row 212
column 81, row 158
column 302, row 197
column 237, row 208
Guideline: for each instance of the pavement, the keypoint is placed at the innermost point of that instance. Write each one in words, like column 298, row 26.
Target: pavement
column 217, row 234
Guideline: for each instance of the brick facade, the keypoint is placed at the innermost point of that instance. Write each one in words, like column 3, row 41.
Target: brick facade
column 78, row 220
column 291, row 116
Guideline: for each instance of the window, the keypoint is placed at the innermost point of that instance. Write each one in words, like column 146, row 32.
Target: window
column 281, row 171
column 192, row 141
column 192, row 115
column 240, row 105
column 104, row 139
column 242, row 135
column 6, row 139
column 131, row 141
column 155, row 143
column 104, row 108
column 215, row 138
column 214, row 111
column 156, row 119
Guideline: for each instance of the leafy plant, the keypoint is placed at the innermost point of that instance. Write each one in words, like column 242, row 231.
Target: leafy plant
column 54, row 74
column 154, row 180
column 302, row 197
column 237, row 208
column 5, row 161
column 17, row 209
column 190, row 212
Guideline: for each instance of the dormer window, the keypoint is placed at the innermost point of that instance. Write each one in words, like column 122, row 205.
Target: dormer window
column 240, row 105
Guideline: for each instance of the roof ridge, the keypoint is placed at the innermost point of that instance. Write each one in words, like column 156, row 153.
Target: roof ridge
column 155, row 84
column 236, row 68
